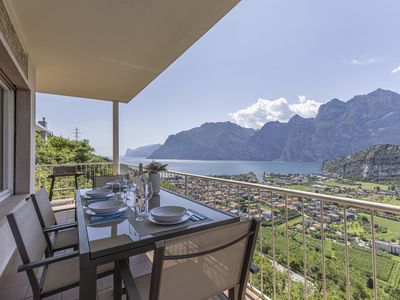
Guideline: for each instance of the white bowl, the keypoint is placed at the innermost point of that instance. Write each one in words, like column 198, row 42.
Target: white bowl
column 106, row 207
column 100, row 193
column 168, row 213
column 116, row 184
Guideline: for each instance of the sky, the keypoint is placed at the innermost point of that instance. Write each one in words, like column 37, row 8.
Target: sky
column 266, row 60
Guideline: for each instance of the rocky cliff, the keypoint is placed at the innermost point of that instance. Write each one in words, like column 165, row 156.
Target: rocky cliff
column 374, row 162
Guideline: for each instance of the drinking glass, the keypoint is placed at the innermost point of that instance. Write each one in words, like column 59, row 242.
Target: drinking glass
column 144, row 191
column 149, row 195
column 129, row 192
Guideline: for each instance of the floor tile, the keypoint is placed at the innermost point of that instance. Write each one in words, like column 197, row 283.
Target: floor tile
column 12, row 279
column 71, row 294
column 136, row 259
column 140, row 269
column 105, row 283
column 14, row 293
column 108, row 295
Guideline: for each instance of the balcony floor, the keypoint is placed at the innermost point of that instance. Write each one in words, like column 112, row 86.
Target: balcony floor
column 15, row 286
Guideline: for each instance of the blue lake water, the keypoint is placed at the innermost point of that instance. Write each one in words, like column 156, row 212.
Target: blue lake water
column 229, row 167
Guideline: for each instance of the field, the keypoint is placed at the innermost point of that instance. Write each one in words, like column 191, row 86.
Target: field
column 393, row 229
column 370, row 186
column 388, row 266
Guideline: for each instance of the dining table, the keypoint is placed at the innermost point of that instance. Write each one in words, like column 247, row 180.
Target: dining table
column 112, row 240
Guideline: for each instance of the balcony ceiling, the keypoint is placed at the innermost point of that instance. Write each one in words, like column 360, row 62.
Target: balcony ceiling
column 109, row 50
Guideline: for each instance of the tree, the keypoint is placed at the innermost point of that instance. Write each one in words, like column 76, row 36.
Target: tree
column 60, row 150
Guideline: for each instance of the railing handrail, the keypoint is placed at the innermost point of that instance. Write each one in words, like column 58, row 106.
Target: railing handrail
column 315, row 196
column 74, row 164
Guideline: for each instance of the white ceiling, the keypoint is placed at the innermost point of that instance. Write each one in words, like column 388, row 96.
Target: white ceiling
column 110, row 49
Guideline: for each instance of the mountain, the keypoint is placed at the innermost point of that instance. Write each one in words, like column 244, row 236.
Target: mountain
column 339, row 129
column 143, row 151
column 210, row 141
column 374, row 162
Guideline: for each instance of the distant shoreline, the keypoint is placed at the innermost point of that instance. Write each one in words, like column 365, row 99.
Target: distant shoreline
column 232, row 167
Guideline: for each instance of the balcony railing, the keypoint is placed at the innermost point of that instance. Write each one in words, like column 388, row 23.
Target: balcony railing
column 308, row 246
column 64, row 187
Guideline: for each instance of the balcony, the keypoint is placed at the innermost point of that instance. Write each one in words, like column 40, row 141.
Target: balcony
column 307, row 246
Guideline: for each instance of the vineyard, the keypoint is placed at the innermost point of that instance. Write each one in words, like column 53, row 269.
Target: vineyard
column 360, row 267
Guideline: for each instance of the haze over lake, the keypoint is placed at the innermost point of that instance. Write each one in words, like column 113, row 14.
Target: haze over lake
column 231, row 167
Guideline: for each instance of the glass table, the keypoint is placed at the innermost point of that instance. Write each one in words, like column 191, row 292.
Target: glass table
column 108, row 241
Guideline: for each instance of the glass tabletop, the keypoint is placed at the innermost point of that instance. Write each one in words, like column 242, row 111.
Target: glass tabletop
column 126, row 232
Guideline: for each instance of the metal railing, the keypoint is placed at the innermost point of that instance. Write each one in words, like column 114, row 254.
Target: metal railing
column 64, row 187
column 307, row 246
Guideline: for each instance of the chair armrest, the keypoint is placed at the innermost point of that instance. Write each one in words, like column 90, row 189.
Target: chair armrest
column 60, row 227
column 57, row 210
column 127, row 278
column 47, row 261
column 254, row 269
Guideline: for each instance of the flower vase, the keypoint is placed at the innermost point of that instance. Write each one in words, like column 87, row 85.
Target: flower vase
column 155, row 179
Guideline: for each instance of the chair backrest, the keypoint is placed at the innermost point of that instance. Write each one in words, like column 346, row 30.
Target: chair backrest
column 30, row 240
column 43, row 208
column 27, row 232
column 64, row 170
column 203, row 264
column 101, row 181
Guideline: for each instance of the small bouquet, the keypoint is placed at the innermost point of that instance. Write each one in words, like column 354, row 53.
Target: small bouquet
column 155, row 167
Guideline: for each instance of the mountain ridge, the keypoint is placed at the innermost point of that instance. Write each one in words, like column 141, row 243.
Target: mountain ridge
column 210, row 141
column 142, row 151
column 339, row 128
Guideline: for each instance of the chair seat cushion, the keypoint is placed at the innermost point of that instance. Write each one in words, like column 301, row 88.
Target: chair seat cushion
column 66, row 272
column 65, row 238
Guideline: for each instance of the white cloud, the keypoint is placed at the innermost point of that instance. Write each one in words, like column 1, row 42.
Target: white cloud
column 395, row 70
column 263, row 111
column 306, row 108
column 361, row 61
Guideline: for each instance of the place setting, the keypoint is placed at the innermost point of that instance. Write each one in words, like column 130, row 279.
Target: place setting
column 173, row 215
column 107, row 204
column 106, row 211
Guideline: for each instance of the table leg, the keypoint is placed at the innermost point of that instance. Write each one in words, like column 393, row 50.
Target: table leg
column 52, row 188
column 87, row 285
column 117, row 283
column 76, row 182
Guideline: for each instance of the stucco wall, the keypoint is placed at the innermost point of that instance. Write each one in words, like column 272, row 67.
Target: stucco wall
column 17, row 67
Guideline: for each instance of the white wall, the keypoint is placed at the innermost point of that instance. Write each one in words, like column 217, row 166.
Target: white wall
column 24, row 142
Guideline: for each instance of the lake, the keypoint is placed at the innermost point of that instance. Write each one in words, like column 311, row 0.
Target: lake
column 231, row 167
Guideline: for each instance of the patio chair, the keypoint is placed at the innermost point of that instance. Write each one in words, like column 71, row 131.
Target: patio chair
column 58, row 237
column 101, row 181
column 50, row 275
column 201, row 265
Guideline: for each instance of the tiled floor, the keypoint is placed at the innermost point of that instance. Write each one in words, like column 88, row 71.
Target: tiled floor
column 15, row 286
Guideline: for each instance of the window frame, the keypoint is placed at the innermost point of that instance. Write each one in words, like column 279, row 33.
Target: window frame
column 8, row 128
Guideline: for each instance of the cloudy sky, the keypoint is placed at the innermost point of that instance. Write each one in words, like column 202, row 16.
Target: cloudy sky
column 266, row 60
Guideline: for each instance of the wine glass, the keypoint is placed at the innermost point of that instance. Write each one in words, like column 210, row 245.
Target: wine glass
column 130, row 192
column 148, row 195
column 144, row 192
column 140, row 206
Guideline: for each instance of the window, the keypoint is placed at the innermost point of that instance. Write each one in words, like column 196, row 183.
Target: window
column 6, row 141
column 2, row 119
